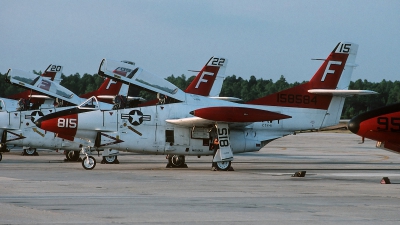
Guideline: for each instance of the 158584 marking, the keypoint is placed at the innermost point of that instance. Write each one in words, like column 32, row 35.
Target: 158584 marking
column 298, row 99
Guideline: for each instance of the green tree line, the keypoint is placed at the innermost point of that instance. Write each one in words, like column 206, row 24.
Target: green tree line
column 233, row 86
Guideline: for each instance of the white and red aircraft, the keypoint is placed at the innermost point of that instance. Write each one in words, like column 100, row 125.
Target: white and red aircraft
column 185, row 124
column 28, row 134
column 22, row 101
column 17, row 125
column 52, row 72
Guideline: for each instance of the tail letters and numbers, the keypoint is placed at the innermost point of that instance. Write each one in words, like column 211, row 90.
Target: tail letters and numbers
column 109, row 83
column 328, row 70
column 202, row 80
column 66, row 123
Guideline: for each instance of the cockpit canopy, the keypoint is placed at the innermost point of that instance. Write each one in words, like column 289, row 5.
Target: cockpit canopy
column 130, row 74
column 41, row 84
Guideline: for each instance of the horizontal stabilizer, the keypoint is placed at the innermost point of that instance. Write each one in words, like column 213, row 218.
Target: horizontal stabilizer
column 237, row 114
column 343, row 93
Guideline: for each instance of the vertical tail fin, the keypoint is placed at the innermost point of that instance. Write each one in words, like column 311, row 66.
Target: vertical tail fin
column 208, row 81
column 334, row 73
column 53, row 72
column 108, row 90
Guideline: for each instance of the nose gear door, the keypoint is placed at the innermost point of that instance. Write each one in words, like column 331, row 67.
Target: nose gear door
column 224, row 153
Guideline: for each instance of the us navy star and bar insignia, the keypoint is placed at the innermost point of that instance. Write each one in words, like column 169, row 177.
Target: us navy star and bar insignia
column 136, row 117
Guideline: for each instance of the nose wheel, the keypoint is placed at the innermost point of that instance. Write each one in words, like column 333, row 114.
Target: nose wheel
column 89, row 162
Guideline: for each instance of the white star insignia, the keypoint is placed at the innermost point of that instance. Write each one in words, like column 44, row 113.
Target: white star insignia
column 135, row 117
column 36, row 116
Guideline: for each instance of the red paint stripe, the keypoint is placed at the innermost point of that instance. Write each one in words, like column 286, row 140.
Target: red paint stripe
column 237, row 114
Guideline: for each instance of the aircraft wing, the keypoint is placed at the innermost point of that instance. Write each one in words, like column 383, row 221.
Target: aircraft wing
column 343, row 93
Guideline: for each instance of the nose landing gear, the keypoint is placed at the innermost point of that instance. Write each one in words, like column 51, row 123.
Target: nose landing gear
column 88, row 162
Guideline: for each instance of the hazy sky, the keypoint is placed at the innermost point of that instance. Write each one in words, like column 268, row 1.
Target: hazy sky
column 261, row 38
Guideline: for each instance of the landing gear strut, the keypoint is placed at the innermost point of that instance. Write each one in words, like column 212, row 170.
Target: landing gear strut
column 176, row 161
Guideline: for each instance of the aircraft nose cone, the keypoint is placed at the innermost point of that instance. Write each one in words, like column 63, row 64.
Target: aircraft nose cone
column 353, row 126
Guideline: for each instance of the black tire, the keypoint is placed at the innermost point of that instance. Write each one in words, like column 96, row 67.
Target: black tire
column 30, row 151
column 1, row 156
column 3, row 147
column 67, row 155
column 110, row 159
column 224, row 166
column 176, row 160
column 88, row 163
column 73, row 155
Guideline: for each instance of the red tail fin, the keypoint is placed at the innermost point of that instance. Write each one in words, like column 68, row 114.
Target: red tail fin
column 109, row 87
column 327, row 77
column 203, row 83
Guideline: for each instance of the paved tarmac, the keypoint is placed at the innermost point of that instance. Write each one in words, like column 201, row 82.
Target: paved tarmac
column 341, row 186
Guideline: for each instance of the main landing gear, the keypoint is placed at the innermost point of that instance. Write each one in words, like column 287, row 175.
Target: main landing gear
column 110, row 160
column 110, row 156
column 72, row 156
column 3, row 148
column 176, row 161
column 222, row 166
column 30, row 152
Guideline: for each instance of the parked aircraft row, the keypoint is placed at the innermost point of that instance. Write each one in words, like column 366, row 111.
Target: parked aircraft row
column 45, row 95
column 178, row 123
